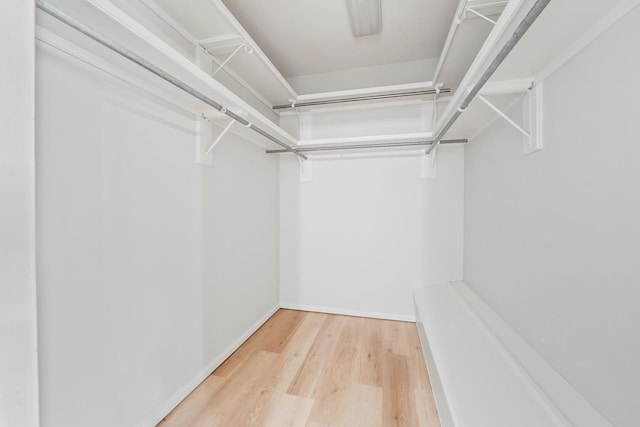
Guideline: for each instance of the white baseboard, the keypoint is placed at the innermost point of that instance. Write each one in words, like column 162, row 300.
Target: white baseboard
column 346, row 312
column 206, row 371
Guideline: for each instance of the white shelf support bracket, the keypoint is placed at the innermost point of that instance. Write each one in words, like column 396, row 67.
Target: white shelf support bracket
column 205, row 135
column 503, row 115
column 480, row 15
column 217, row 140
column 242, row 46
column 532, row 114
column 305, row 119
column 429, row 164
column 429, row 110
column 203, row 59
column 306, row 170
column 434, row 117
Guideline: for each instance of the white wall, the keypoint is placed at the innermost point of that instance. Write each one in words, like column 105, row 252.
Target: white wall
column 552, row 239
column 367, row 231
column 354, row 78
column 150, row 266
column 362, row 120
column 18, row 357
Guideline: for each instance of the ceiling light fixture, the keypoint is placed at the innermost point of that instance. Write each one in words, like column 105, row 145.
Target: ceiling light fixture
column 365, row 16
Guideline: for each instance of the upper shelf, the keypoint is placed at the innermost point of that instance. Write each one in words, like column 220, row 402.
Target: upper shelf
column 210, row 25
column 466, row 36
column 555, row 37
column 148, row 40
column 550, row 42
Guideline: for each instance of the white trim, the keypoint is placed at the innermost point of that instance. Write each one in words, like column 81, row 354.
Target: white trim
column 376, row 90
column 168, row 406
column 414, row 136
column 347, row 312
column 141, row 31
column 256, row 49
column 595, row 31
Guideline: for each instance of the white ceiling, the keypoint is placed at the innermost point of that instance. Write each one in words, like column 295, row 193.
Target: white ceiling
column 313, row 36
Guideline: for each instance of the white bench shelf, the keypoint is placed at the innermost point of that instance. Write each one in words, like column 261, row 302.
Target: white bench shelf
column 484, row 374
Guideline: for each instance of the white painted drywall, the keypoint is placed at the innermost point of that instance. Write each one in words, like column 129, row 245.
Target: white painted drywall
column 366, row 231
column 150, row 266
column 356, row 78
column 350, row 120
column 18, row 351
column 552, row 239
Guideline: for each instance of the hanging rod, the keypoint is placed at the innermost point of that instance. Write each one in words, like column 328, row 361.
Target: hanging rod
column 363, row 146
column 361, row 98
column 524, row 25
column 122, row 51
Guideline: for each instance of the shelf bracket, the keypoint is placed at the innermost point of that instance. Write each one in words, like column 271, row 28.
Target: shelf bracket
column 241, row 46
column 503, row 115
column 434, row 117
column 429, row 164
column 205, row 134
column 306, row 170
column 532, row 113
column 217, row 140
column 480, row 15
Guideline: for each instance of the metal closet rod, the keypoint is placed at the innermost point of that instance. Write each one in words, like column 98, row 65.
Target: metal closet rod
column 524, row 25
column 121, row 50
column 362, row 146
column 361, row 98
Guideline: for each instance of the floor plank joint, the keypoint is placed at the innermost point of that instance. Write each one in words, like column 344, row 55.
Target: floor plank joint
column 314, row 369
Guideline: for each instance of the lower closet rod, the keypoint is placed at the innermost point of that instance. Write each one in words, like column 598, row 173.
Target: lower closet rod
column 121, row 50
column 361, row 146
column 528, row 20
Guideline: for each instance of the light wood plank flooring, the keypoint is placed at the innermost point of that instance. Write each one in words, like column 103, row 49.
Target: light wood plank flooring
column 314, row 369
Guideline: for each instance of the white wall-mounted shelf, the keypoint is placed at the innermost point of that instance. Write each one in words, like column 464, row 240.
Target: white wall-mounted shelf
column 464, row 40
column 549, row 43
column 467, row 346
column 111, row 16
column 405, row 137
column 210, row 23
column 256, row 73
column 222, row 45
column 107, row 18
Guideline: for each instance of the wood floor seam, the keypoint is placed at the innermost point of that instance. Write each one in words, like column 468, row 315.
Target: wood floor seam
column 307, row 369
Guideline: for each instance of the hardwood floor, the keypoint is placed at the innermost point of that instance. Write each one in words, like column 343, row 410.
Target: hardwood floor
column 314, row 369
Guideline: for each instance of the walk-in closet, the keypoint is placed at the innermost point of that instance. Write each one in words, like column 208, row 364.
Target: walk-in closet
column 336, row 213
